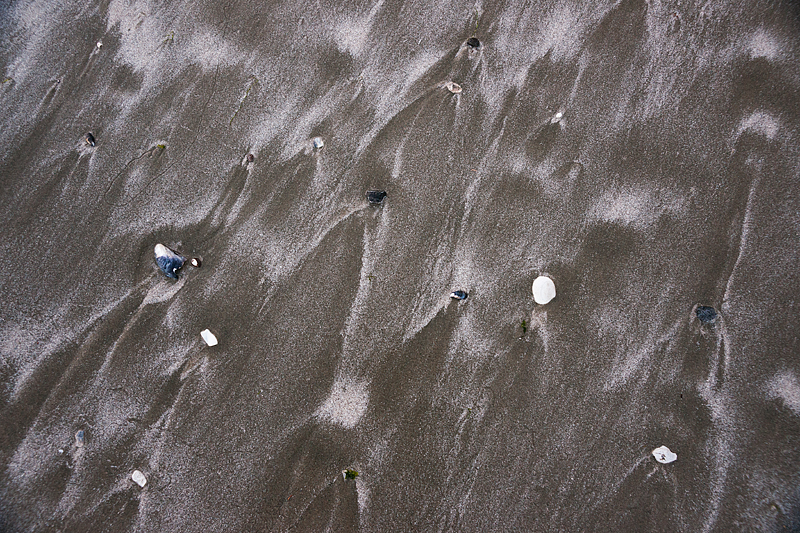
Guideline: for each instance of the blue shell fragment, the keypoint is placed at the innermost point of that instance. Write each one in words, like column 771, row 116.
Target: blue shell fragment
column 376, row 197
column 706, row 315
column 458, row 295
column 168, row 261
column 80, row 438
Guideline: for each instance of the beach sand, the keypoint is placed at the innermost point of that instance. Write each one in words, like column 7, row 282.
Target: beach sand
column 644, row 155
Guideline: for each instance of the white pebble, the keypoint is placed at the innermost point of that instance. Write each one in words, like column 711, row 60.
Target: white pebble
column 318, row 143
column 139, row 478
column 209, row 337
column 663, row 455
column 99, row 44
column 544, row 290
column 453, row 87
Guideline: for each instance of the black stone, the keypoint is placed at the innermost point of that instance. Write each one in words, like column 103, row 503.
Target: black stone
column 90, row 139
column 250, row 157
column 472, row 42
column 376, row 197
column 706, row 315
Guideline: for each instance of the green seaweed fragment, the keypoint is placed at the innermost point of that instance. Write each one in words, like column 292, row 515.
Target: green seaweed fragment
column 524, row 326
column 161, row 146
column 7, row 79
column 350, row 474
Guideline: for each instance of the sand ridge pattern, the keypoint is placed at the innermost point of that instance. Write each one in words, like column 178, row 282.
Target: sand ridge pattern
column 643, row 155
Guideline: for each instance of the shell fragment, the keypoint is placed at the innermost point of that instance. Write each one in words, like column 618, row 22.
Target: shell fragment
column 139, row 478
column 664, row 455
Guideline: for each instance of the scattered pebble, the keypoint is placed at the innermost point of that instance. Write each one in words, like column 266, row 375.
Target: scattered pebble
column 209, row 337
column 663, row 455
column 196, row 262
column 318, row 143
column 473, row 42
column 168, row 261
column 453, row 87
column 90, row 139
column 458, row 295
column 376, row 197
column 250, row 158
column 706, row 314
column 99, row 44
column 61, row 451
column 557, row 118
column 544, row 290
column 80, row 438
column 139, row 478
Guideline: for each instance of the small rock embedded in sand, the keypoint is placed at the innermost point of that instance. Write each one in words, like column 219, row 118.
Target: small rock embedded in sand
column 706, row 314
column 318, row 143
column 168, row 261
column 196, row 262
column 139, row 478
column 375, row 197
column 458, row 295
column 80, row 438
column 90, row 139
column 209, row 337
column 544, row 290
column 663, row 455
column 99, row 44
column 557, row 118
column 453, row 87
column 473, row 42
column 250, row 158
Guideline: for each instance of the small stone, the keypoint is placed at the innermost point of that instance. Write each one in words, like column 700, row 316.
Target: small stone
column 706, row 314
column 318, row 143
column 80, row 438
column 196, row 262
column 557, row 118
column 250, row 158
column 90, row 139
column 139, row 478
column 663, row 455
column 99, row 44
column 544, row 290
column 472, row 42
column 209, row 337
column 458, row 295
column 61, row 451
column 168, row 261
column 453, row 87
column 376, row 197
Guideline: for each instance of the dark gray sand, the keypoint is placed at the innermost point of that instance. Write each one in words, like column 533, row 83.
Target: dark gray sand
column 643, row 154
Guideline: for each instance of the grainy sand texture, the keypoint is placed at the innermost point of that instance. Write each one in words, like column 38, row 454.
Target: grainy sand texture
column 642, row 154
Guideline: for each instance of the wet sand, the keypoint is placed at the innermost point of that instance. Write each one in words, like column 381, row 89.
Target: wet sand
column 644, row 155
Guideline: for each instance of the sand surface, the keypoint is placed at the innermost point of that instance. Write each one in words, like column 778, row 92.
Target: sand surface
column 644, row 154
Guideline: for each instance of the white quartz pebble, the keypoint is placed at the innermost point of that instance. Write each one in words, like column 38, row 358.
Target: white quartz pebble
column 664, row 455
column 139, row 478
column 544, row 290
column 209, row 337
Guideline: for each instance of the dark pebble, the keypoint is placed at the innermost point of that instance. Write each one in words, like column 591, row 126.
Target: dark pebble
column 376, row 197
column 472, row 42
column 458, row 295
column 90, row 139
column 250, row 157
column 706, row 315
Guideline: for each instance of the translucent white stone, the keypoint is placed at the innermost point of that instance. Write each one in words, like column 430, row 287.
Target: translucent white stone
column 209, row 337
column 453, row 87
column 139, row 478
column 664, row 455
column 544, row 290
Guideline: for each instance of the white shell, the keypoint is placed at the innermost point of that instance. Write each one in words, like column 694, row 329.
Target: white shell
column 543, row 289
column 139, row 478
column 161, row 250
column 209, row 337
column 453, row 87
column 663, row 455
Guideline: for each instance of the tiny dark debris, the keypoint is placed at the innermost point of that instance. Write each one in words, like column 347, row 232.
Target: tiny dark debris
column 376, row 197
column 90, row 139
column 250, row 157
column 472, row 42
column 706, row 315
column 350, row 474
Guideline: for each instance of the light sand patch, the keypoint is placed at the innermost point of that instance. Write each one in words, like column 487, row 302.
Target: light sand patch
column 346, row 404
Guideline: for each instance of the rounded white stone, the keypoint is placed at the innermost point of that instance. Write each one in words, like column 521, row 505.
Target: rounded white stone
column 209, row 337
column 453, row 87
column 139, row 478
column 99, row 44
column 664, row 455
column 544, row 290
